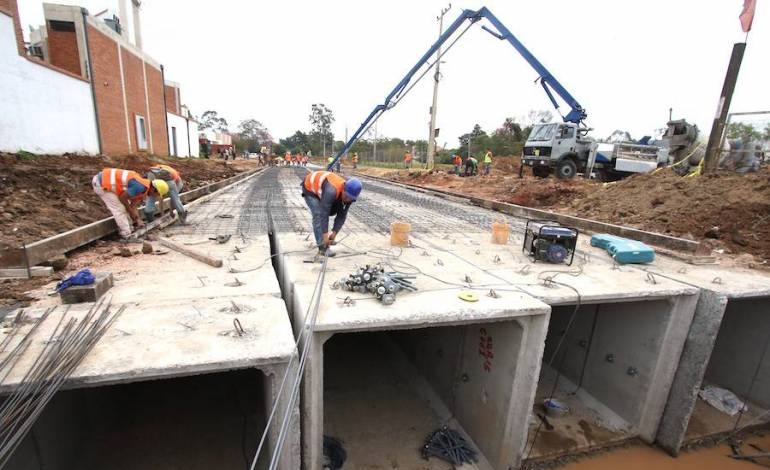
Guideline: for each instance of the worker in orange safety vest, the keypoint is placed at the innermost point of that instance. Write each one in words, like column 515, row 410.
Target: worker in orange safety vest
column 328, row 194
column 122, row 191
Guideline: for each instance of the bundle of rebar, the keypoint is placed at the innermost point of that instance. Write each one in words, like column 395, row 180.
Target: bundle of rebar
column 449, row 445
column 69, row 342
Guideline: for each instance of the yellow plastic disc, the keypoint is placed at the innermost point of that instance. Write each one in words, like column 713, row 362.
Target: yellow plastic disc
column 469, row 296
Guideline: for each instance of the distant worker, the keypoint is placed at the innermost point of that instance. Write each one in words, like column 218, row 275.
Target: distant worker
column 328, row 194
column 122, row 191
column 287, row 158
column 487, row 161
column 173, row 178
column 355, row 160
column 329, row 161
column 471, row 166
column 458, row 162
column 407, row 159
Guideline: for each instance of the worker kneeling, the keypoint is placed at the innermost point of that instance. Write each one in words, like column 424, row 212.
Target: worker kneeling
column 173, row 179
column 328, row 194
column 122, row 191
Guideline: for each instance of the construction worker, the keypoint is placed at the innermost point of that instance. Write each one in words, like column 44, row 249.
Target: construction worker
column 487, row 161
column 355, row 160
column 287, row 158
column 471, row 166
column 458, row 162
column 329, row 161
column 122, row 191
column 173, row 178
column 407, row 159
column 328, row 194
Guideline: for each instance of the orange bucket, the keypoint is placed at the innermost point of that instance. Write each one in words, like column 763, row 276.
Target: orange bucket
column 500, row 232
column 399, row 233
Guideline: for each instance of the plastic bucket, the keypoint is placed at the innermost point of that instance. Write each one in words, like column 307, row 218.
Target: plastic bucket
column 500, row 232
column 399, row 233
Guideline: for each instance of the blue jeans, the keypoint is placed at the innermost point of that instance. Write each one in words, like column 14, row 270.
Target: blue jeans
column 315, row 210
column 176, row 202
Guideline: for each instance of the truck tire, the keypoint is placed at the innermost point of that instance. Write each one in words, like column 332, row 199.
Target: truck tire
column 541, row 171
column 566, row 169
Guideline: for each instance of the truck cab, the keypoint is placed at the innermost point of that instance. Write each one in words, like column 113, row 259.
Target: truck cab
column 560, row 147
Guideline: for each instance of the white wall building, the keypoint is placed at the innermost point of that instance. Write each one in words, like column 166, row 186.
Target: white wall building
column 183, row 135
column 42, row 110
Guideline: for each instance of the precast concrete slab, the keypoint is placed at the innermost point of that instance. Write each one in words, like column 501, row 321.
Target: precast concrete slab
column 725, row 347
column 606, row 310
column 636, row 319
column 185, row 322
column 440, row 354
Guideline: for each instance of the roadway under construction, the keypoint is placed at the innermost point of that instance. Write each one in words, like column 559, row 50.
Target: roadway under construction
column 216, row 350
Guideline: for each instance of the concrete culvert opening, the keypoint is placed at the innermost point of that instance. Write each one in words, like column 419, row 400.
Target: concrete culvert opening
column 606, row 373
column 740, row 366
column 386, row 391
column 199, row 422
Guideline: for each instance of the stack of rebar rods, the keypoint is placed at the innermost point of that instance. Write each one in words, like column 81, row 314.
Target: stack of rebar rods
column 69, row 342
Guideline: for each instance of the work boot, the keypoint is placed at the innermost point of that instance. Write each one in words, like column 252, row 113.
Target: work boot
column 183, row 218
column 328, row 252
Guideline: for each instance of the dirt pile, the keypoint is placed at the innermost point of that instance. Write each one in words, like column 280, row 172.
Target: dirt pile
column 730, row 208
column 724, row 210
column 41, row 196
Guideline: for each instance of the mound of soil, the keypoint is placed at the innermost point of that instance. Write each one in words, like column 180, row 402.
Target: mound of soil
column 41, row 196
column 725, row 210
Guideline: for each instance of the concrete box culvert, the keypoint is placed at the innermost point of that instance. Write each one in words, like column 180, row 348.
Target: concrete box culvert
column 198, row 422
column 369, row 363
column 725, row 347
column 179, row 360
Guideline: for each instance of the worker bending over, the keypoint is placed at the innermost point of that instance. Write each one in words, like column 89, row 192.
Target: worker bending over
column 173, row 179
column 328, row 194
column 122, row 191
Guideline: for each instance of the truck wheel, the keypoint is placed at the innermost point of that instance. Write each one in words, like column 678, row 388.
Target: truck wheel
column 541, row 171
column 566, row 169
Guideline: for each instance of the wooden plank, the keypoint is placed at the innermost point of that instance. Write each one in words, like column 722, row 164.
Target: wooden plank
column 595, row 226
column 21, row 273
column 59, row 244
column 202, row 257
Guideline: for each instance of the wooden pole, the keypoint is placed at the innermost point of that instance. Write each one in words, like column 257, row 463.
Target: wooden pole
column 216, row 262
column 713, row 149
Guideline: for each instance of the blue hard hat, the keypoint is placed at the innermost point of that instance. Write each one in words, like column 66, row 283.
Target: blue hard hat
column 353, row 188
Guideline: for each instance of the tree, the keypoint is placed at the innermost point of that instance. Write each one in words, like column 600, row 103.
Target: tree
column 747, row 132
column 299, row 142
column 321, row 119
column 251, row 136
column 767, row 132
column 211, row 120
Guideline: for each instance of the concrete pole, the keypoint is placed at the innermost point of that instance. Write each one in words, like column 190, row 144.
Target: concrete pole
column 436, row 76
column 713, row 148
column 374, row 151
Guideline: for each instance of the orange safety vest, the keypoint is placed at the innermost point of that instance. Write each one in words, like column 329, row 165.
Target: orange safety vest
column 408, row 157
column 176, row 177
column 115, row 181
column 314, row 182
column 458, row 160
column 355, row 158
column 287, row 157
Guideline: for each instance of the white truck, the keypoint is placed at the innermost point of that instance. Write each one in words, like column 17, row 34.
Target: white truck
column 564, row 149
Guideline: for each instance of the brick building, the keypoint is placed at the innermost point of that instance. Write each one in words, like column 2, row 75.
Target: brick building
column 130, row 100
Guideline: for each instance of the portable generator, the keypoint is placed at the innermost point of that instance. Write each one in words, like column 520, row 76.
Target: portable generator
column 549, row 241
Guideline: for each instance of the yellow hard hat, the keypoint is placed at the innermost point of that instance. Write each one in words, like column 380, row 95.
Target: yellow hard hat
column 160, row 186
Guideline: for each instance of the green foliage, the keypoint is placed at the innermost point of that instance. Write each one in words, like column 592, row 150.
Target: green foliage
column 321, row 119
column 747, row 132
column 26, row 156
column 252, row 135
column 211, row 120
column 299, row 142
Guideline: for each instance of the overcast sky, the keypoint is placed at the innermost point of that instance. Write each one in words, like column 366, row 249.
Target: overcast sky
column 626, row 62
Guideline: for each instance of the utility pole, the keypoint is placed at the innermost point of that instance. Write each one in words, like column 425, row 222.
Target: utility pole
column 436, row 76
column 374, row 151
column 718, row 127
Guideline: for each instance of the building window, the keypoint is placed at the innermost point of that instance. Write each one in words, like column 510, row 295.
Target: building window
column 141, row 132
column 67, row 26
